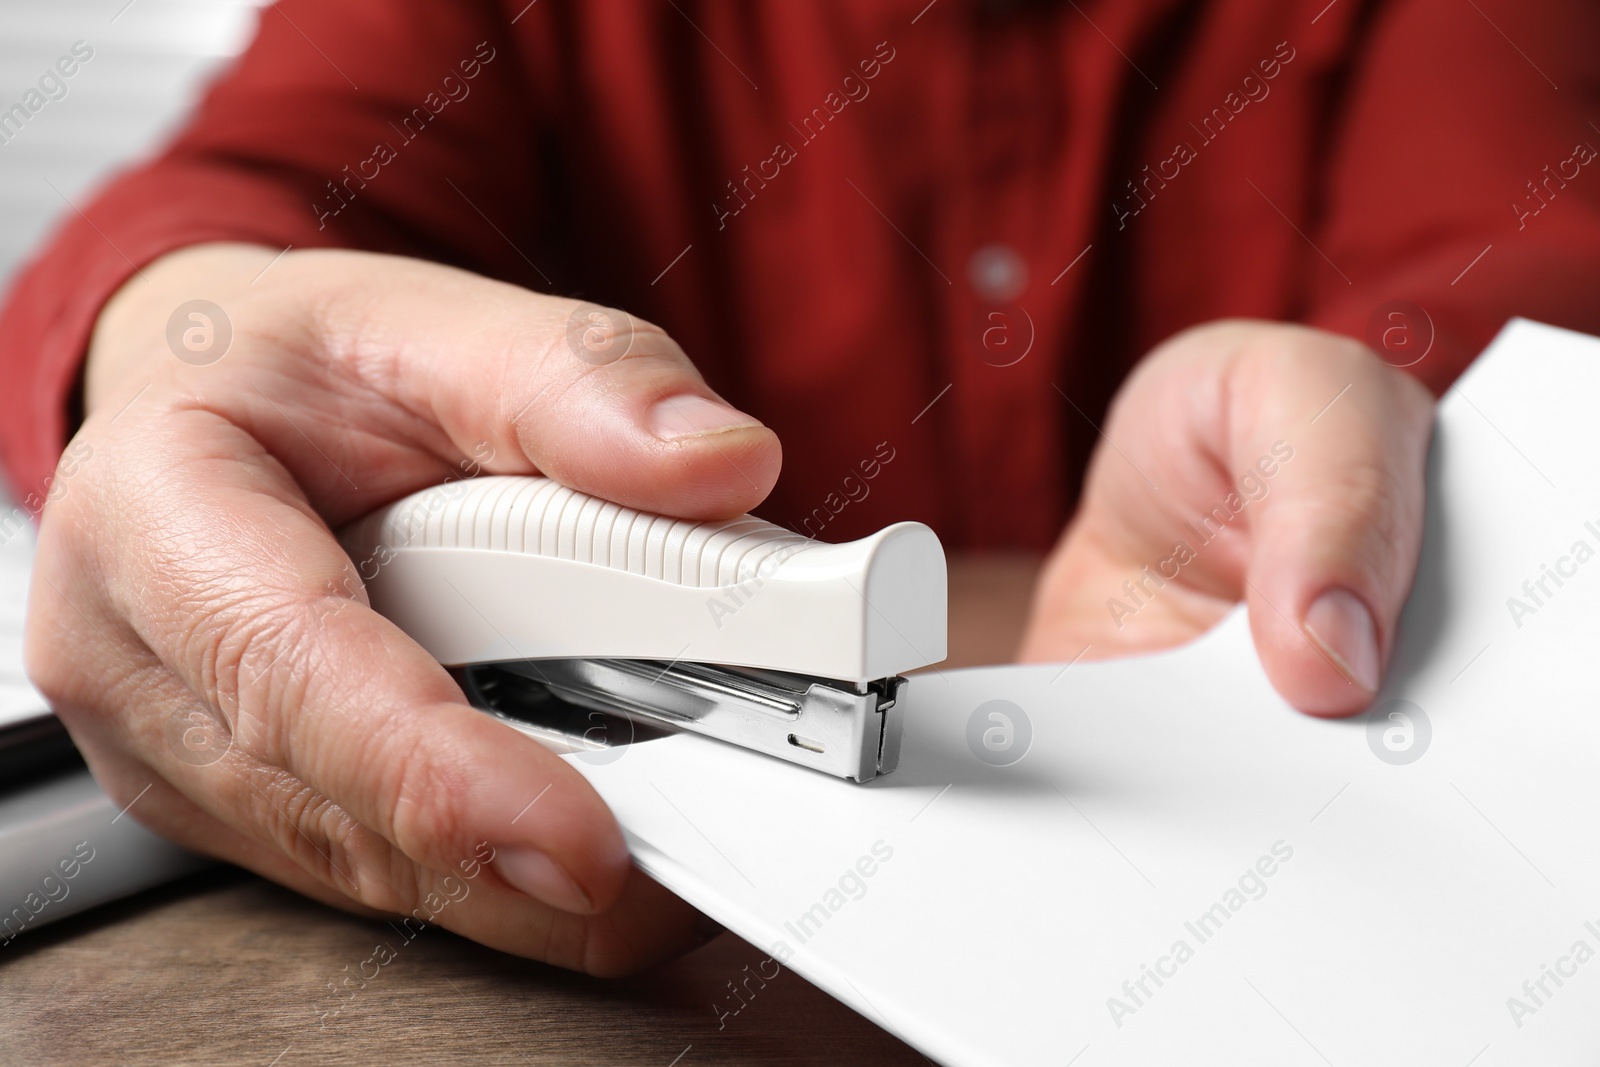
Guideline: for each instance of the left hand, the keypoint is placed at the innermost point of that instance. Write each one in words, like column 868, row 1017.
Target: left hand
column 1253, row 461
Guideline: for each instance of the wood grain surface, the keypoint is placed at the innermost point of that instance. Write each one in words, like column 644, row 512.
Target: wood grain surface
column 225, row 968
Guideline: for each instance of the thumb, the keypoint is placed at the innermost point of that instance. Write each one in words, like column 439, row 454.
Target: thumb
column 1335, row 544
column 592, row 396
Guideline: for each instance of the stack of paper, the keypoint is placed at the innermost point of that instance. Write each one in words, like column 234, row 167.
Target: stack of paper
column 19, row 701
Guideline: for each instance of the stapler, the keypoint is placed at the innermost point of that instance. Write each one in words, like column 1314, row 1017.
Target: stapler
column 554, row 608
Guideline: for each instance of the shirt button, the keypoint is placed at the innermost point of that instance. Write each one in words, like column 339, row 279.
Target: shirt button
column 997, row 273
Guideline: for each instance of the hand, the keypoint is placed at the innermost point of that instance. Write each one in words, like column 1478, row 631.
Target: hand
column 191, row 616
column 1250, row 461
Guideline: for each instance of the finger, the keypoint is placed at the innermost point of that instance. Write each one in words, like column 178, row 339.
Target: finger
column 143, row 795
column 336, row 696
column 593, row 397
column 646, row 925
column 1079, row 602
column 1335, row 542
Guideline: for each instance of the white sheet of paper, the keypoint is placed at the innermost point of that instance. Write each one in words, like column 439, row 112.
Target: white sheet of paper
column 1011, row 912
column 19, row 700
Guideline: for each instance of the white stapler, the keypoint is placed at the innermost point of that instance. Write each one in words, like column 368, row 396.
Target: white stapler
column 552, row 603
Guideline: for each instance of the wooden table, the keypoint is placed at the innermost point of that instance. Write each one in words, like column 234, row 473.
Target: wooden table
column 225, row 968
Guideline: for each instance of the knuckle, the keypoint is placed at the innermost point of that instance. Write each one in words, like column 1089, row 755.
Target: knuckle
column 327, row 842
column 1372, row 492
column 539, row 372
column 236, row 651
column 1366, row 505
column 545, row 365
column 423, row 797
column 653, row 344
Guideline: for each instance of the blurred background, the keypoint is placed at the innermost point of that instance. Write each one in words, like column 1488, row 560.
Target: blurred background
column 150, row 60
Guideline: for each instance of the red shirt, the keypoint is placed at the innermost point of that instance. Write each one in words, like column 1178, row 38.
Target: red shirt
column 921, row 240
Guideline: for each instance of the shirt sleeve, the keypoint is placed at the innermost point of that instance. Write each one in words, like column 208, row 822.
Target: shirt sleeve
column 1463, row 180
column 351, row 124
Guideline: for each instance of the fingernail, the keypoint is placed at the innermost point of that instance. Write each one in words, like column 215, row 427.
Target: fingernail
column 1342, row 627
column 537, row 875
column 677, row 417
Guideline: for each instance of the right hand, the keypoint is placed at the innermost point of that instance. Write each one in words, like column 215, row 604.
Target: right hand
column 187, row 580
